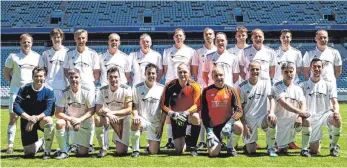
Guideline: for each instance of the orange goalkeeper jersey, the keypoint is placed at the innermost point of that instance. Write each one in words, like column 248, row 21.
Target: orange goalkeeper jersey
column 179, row 99
column 219, row 104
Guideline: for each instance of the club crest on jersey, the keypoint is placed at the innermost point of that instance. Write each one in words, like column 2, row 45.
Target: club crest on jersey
column 142, row 93
column 106, row 97
column 28, row 97
column 174, row 94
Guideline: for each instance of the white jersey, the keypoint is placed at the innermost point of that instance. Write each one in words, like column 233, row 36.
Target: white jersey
column 139, row 61
column 114, row 100
column 330, row 58
column 292, row 55
column 318, row 97
column 238, row 52
column 22, row 67
column 119, row 60
column 266, row 57
column 53, row 61
column 86, row 62
column 173, row 56
column 228, row 62
column 292, row 95
column 255, row 98
column 199, row 58
column 147, row 101
column 78, row 103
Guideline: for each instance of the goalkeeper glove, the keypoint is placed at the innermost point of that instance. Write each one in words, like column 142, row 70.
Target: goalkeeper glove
column 228, row 128
column 182, row 118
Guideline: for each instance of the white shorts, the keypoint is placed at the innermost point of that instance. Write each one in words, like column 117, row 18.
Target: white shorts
column 11, row 101
column 150, row 128
column 317, row 124
column 124, row 132
column 285, row 132
column 83, row 135
column 58, row 94
column 254, row 124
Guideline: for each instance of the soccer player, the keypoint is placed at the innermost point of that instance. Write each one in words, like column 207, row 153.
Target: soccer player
column 140, row 59
column 114, row 57
column 255, row 95
column 35, row 105
column 198, row 62
column 221, row 111
column 258, row 51
column 113, row 108
column 241, row 37
column 20, row 65
column 331, row 58
column 222, row 58
column 181, row 102
column 147, row 112
column 321, row 98
column 291, row 112
column 287, row 53
column 172, row 57
column 78, row 120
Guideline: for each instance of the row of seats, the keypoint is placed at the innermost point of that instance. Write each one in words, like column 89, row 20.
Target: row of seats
column 168, row 13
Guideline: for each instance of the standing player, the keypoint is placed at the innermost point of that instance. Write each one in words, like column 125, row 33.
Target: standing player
column 172, row 57
column 181, row 102
column 114, row 57
column 222, row 58
column 78, row 120
column 331, row 58
column 255, row 95
column 291, row 111
column 221, row 110
column 20, row 65
column 198, row 62
column 140, row 59
column 147, row 112
column 113, row 106
column 287, row 53
column 321, row 98
column 241, row 37
column 35, row 104
column 263, row 54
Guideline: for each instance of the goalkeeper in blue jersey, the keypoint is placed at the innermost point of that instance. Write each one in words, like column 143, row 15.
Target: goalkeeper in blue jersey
column 35, row 105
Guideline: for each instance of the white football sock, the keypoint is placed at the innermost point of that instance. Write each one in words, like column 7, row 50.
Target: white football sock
column 92, row 134
column 270, row 137
column 306, row 134
column 106, row 131
column 38, row 144
column 169, row 131
column 60, row 135
column 202, row 133
column 99, row 131
column 335, row 131
column 135, row 140
column 48, row 133
column 11, row 133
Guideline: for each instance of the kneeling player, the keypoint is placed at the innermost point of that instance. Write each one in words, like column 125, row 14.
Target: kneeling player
column 147, row 112
column 290, row 111
column 113, row 106
column 221, row 110
column 181, row 101
column 35, row 105
column 77, row 120
column 323, row 107
column 255, row 95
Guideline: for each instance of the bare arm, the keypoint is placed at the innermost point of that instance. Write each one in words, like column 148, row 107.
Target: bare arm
column 96, row 73
column 127, row 75
column 205, row 77
column 289, row 107
column 160, row 75
column 97, row 109
column 123, row 112
column 298, row 70
column 235, row 77
column 59, row 113
column 90, row 112
column 7, row 75
column 195, row 72
column 272, row 105
column 306, row 72
column 66, row 70
column 272, row 72
column 338, row 71
column 242, row 72
column 165, row 70
column 336, row 106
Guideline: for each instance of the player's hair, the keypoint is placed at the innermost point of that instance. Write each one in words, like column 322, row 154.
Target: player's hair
column 241, row 29
column 254, row 62
column 256, row 30
column 179, row 29
column 182, row 63
column 207, row 29
column 80, row 31
column 215, row 69
column 316, row 60
column 320, row 30
column 38, row 69
column 150, row 66
column 109, row 36
column 286, row 31
column 226, row 37
column 112, row 70
column 25, row 35
column 287, row 65
column 73, row 71
column 144, row 35
column 57, row 31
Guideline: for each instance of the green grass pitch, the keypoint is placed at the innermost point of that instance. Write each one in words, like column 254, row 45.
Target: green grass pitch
column 164, row 160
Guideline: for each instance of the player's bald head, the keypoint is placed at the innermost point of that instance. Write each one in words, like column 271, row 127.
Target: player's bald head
column 254, row 64
column 256, row 31
column 182, row 66
column 114, row 35
column 321, row 32
column 217, row 70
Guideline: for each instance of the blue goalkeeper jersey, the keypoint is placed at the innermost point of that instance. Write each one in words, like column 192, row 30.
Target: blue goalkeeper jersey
column 34, row 102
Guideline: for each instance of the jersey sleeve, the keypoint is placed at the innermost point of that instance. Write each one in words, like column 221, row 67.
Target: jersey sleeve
column 50, row 103
column 135, row 98
column 96, row 60
column 196, row 98
column 128, row 95
column 306, row 59
column 99, row 97
column 62, row 102
column 332, row 90
column 67, row 61
column 195, row 59
column 273, row 58
column 337, row 60
column 206, row 65
column 42, row 61
column 165, row 56
column 165, row 99
column 204, row 110
column 9, row 61
column 90, row 99
column 236, row 105
column 277, row 92
column 242, row 59
column 129, row 63
column 17, row 105
column 299, row 60
column 302, row 97
column 243, row 99
column 236, row 67
column 160, row 62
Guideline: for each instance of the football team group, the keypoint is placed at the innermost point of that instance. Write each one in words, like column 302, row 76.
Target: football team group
column 211, row 94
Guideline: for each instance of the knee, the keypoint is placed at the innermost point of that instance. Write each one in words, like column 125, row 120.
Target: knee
column 237, row 128
column 306, row 122
column 214, row 151
column 251, row 148
column 135, row 127
column 47, row 120
column 60, row 124
column 153, row 150
column 82, row 151
column 194, row 119
column 13, row 119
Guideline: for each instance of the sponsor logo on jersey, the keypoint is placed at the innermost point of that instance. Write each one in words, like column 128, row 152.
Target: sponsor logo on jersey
column 255, row 96
column 114, row 103
column 317, row 95
column 81, row 64
column 56, row 62
column 219, row 103
column 26, row 66
column 76, row 105
column 151, row 100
